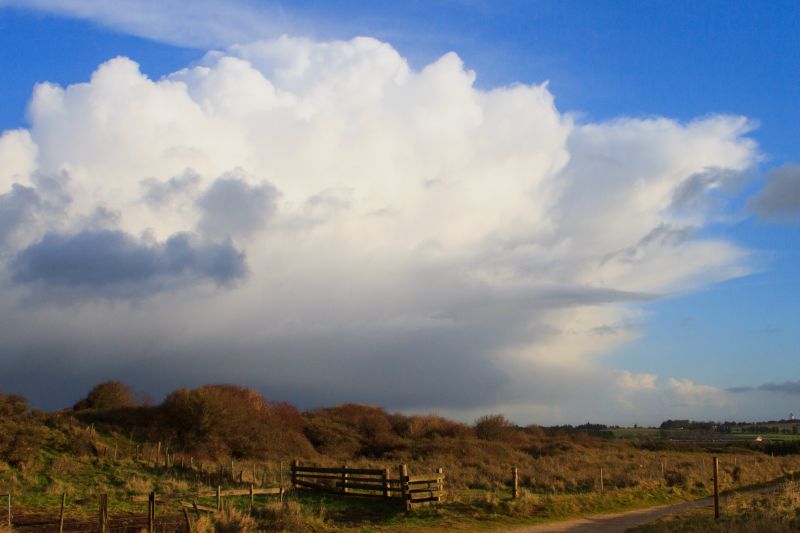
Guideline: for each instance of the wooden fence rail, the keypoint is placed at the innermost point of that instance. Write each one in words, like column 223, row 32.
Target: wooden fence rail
column 104, row 523
column 370, row 483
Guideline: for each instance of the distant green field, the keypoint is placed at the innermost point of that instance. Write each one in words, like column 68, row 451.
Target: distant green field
column 769, row 436
column 636, row 433
column 654, row 433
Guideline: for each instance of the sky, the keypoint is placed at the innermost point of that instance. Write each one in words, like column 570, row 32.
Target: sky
column 560, row 211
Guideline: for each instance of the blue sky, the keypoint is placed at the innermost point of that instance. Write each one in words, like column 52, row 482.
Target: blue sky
column 685, row 61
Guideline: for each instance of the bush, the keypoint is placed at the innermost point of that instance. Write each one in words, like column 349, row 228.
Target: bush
column 496, row 428
column 108, row 395
column 21, row 433
column 429, row 426
column 226, row 420
column 352, row 429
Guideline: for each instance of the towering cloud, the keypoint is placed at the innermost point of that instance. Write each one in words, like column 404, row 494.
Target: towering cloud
column 335, row 225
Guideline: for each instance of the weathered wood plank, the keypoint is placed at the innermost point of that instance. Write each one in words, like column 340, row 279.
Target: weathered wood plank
column 316, row 486
column 238, row 492
column 418, row 496
column 369, row 471
column 362, row 486
column 331, row 490
column 426, row 479
column 198, row 507
column 338, row 478
column 425, row 500
column 427, row 488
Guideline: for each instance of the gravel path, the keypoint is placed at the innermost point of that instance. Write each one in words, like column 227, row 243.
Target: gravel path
column 617, row 522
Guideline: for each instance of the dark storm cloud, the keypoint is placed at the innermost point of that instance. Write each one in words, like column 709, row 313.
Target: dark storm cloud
column 231, row 206
column 436, row 370
column 780, row 198
column 114, row 263
column 787, row 387
column 16, row 208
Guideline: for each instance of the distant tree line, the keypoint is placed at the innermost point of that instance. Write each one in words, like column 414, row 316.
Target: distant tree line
column 774, row 426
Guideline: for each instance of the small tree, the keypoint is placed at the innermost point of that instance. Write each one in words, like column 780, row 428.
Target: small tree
column 108, row 395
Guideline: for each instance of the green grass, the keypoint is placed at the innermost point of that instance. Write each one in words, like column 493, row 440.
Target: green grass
column 770, row 436
column 475, row 510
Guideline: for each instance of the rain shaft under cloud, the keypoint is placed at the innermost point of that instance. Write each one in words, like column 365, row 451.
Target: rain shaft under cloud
column 321, row 221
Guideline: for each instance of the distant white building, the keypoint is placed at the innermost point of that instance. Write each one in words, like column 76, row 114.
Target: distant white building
column 791, row 416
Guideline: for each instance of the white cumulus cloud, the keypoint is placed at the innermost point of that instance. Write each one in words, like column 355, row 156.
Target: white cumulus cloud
column 400, row 227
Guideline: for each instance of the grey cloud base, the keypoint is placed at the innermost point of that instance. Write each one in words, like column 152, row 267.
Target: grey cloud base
column 114, row 263
column 787, row 387
column 780, row 197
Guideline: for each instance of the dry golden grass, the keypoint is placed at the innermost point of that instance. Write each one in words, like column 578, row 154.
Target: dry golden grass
column 292, row 517
column 138, row 485
column 773, row 510
column 227, row 521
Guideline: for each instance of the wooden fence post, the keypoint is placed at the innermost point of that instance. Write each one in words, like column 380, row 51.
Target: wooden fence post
column 386, row 493
column 515, row 483
column 104, row 513
column 151, row 513
column 440, row 482
column 716, row 488
column 158, row 454
column 295, row 465
column 61, row 514
column 344, row 479
column 186, row 518
column 9, row 510
column 219, row 498
column 403, row 471
column 254, row 474
column 601, row 479
column 233, row 476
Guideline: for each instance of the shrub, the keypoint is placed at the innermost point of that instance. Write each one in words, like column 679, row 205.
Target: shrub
column 495, row 427
column 108, row 395
column 226, row 420
column 349, row 430
column 21, row 433
column 431, row 426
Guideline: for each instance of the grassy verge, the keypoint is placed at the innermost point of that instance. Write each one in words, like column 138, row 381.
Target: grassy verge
column 467, row 510
column 774, row 510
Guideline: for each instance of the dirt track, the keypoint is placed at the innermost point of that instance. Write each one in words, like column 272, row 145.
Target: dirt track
column 617, row 522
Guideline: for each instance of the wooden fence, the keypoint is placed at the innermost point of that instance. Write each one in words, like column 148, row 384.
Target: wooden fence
column 133, row 522
column 370, row 483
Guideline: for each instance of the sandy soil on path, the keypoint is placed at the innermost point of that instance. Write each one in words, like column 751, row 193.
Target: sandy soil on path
column 617, row 522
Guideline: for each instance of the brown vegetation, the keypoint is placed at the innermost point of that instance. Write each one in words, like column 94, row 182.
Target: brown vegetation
column 75, row 452
column 108, row 395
